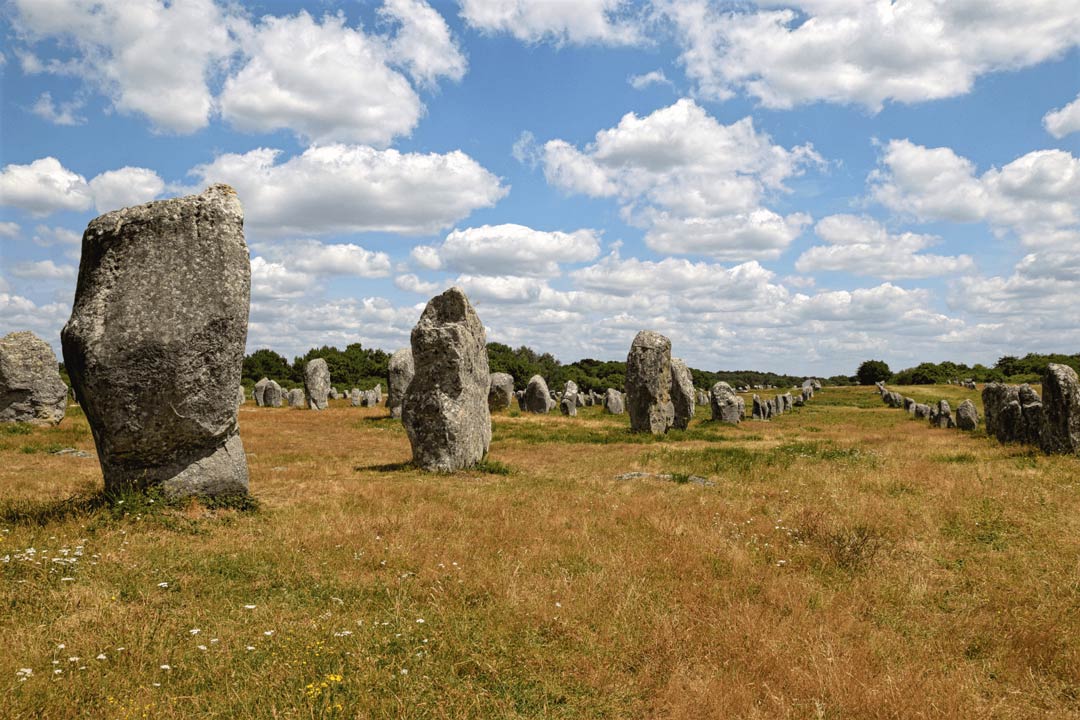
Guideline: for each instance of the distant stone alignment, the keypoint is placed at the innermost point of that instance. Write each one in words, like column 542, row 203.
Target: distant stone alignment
column 648, row 384
column 155, row 343
column 30, row 386
column 445, row 412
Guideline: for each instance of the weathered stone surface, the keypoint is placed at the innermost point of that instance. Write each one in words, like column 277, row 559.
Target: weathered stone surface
column 648, row 383
column 369, row 398
column 445, row 412
column 241, row 396
column 613, row 402
column 378, row 393
column 1012, row 413
column 400, row 371
column 682, row 393
column 1060, row 432
column 355, row 397
column 333, row 394
column 537, row 397
column 500, row 391
column 30, row 386
column 260, row 391
column 922, row 411
column 296, row 398
column 760, row 409
column 273, row 395
column 967, row 415
column 156, row 341
column 569, row 403
column 317, row 383
column 941, row 415
column 724, row 404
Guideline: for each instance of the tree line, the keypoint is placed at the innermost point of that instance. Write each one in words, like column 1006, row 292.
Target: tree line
column 1009, row 368
column 363, row 368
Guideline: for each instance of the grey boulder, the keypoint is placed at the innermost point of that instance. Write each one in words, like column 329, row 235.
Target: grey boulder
column 568, row 404
column 156, row 341
column 682, row 393
column 317, row 383
column 1060, row 431
column 648, row 383
column 500, row 391
column 537, row 398
column 400, row 372
column 613, row 402
column 31, row 389
column 445, row 411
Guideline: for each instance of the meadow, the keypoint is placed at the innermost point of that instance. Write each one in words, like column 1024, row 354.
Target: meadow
column 840, row 561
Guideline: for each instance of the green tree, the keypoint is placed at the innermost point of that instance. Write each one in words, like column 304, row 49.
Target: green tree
column 873, row 371
column 265, row 363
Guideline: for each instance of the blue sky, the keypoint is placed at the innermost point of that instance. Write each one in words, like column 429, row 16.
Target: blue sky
column 784, row 186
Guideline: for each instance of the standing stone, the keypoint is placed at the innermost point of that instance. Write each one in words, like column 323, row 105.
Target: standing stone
column 760, row 410
column 569, row 403
column 613, row 402
column 725, row 404
column 682, row 393
column 648, row 383
column 31, row 389
column 941, row 416
column 156, row 339
column 369, row 398
column 355, row 397
column 500, row 391
column 967, row 415
column 241, row 396
column 296, row 398
column 1060, row 431
column 922, row 411
column 445, row 412
column 260, row 391
column 537, row 398
column 378, row 393
column 273, row 394
column 1031, row 414
column 317, row 383
column 400, row 371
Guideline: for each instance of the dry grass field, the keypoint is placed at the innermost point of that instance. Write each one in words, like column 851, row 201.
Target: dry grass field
column 842, row 561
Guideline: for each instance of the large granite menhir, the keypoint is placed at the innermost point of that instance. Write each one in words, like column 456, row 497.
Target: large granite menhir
column 317, row 383
column 445, row 412
column 648, row 384
column 30, row 386
column 155, row 343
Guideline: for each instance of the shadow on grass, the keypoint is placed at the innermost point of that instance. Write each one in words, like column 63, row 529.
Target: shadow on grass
column 386, row 467
column 93, row 500
column 485, row 466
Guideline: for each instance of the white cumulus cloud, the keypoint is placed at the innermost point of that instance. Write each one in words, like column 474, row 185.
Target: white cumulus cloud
column 864, row 52
column 45, row 186
column 862, row 246
column 611, row 22
column 509, row 249
column 354, row 188
column 1065, row 120
column 695, row 185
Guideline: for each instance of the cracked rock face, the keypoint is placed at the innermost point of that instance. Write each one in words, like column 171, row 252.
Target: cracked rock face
column 725, row 404
column 648, row 384
column 1060, row 432
column 317, row 383
column 682, row 393
column 500, row 391
column 155, row 343
column 445, row 412
column 30, row 386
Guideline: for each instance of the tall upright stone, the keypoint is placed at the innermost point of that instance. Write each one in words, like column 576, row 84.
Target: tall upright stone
column 31, row 389
column 568, row 404
column 1060, row 431
column 156, row 341
column 648, row 383
column 260, row 391
column 760, row 410
column 613, row 402
column 724, row 404
column 273, row 394
column 500, row 391
column 941, row 415
column 317, row 383
column 400, row 374
column 445, row 411
column 296, row 398
column 682, row 393
column 537, row 397
column 967, row 415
